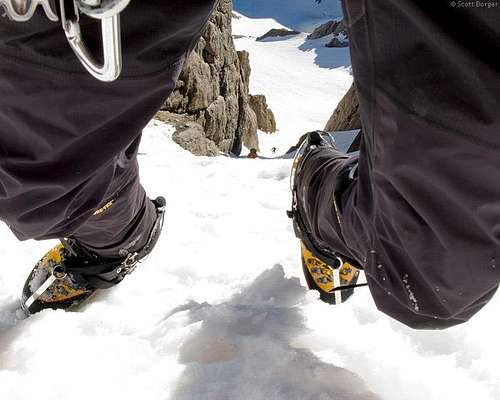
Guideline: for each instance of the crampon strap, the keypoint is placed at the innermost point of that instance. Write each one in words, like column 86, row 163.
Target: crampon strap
column 104, row 273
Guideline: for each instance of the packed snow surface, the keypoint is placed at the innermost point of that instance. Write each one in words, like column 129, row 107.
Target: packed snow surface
column 220, row 311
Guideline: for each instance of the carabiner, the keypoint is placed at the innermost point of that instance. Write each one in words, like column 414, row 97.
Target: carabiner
column 108, row 12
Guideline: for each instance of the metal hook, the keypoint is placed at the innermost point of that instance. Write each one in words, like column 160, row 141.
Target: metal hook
column 108, row 12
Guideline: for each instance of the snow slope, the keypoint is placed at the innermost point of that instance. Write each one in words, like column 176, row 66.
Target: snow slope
column 219, row 311
column 302, row 79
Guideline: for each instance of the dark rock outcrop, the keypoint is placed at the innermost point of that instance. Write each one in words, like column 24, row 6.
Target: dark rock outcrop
column 265, row 117
column 329, row 28
column 212, row 89
column 337, row 41
column 346, row 116
column 275, row 33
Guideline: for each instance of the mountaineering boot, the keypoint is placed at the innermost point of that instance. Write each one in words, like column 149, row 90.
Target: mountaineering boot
column 69, row 273
column 333, row 275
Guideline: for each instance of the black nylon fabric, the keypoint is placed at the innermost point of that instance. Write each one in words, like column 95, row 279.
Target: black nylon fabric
column 156, row 34
column 423, row 217
column 68, row 143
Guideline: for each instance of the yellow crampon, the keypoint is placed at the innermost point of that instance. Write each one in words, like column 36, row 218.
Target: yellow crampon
column 325, row 278
column 49, row 287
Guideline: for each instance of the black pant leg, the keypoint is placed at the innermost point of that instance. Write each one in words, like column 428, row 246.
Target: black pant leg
column 423, row 215
column 68, row 142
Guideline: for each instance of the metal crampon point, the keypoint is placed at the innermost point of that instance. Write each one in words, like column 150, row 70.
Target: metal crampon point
column 107, row 11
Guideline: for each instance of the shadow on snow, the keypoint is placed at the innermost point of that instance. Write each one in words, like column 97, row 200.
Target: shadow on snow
column 243, row 350
column 327, row 57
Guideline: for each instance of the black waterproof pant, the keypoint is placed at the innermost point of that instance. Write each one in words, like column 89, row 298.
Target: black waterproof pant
column 68, row 143
column 423, row 214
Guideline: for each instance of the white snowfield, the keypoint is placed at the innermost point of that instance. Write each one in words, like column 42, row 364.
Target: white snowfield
column 220, row 311
column 302, row 79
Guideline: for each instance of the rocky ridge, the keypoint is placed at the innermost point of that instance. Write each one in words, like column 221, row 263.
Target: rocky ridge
column 213, row 92
column 276, row 33
column 338, row 31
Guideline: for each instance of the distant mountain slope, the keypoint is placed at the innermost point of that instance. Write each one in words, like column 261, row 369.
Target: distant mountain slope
column 301, row 15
